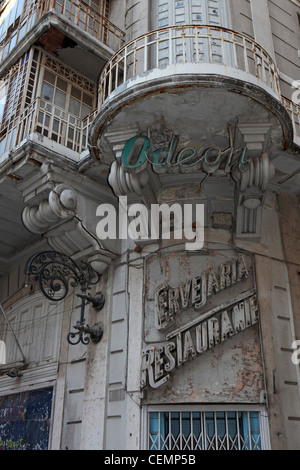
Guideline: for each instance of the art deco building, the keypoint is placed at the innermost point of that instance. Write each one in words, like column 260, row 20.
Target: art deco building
column 114, row 115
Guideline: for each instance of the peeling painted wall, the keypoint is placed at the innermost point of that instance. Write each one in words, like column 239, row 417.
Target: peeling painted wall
column 228, row 371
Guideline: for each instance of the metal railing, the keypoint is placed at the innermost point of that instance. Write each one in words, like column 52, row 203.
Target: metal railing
column 50, row 121
column 294, row 111
column 195, row 44
column 77, row 11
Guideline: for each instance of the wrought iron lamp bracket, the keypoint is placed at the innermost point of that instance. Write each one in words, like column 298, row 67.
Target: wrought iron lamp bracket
column 55, row 272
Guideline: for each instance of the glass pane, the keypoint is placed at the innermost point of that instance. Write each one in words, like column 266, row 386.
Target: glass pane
column 49, row 77
column 186, row 424
column 210, row 424
column 76, row 92
column 232, row 424
column 153, row 431
column 175, row 424
column 221, row 425
column 47, row 92
column 74, row 107
column 87, row 99
column 85, row 111
column 60, row 99
column 61, row 84
column 255, row 430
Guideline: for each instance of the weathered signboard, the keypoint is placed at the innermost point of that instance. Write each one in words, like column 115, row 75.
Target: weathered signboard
column 194, row 303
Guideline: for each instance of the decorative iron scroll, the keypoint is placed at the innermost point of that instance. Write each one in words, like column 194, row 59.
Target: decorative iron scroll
column 56, row 272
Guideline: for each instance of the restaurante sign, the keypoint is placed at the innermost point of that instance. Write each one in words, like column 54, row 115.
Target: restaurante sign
column 194, row 338
column 193, row 334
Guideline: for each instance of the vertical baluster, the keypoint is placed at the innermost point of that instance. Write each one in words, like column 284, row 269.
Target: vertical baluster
column 209, row 45
column 110, row 78
column 146, row 53
column 245, row 56
column 224, row 61
column 125, row 65
column 234, row 48
column 87, row 15
column 264, row 77
column 157, row 49
column 117, row 74
column 196, row 31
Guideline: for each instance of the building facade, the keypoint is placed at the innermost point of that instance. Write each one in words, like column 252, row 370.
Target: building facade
column 150, row 243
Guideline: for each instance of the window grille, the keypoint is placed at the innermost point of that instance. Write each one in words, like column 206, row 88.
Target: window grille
column 206, row 430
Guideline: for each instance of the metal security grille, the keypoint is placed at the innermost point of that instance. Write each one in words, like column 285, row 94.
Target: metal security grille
column 206, row 430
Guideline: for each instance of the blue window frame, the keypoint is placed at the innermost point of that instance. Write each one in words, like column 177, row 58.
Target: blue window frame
column 204, row 430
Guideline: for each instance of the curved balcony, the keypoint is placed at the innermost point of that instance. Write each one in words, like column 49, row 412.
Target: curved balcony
column 207, row 56
column 206, row 49
column 67, row 134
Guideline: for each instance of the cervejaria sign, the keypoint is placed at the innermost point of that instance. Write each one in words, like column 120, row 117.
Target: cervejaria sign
column 203, row 332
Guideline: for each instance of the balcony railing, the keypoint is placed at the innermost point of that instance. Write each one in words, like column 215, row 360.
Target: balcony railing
column 76, row 11
column 50, row 121
column 294, row 111
column 193, row 44
column 155, row 50
column 205, row 48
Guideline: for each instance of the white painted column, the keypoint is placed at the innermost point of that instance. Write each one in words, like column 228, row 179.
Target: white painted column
column 135, row 331
column 262, row 25
column 95, row 393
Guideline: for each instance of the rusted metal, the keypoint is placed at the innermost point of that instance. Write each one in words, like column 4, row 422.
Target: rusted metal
column 188, row 35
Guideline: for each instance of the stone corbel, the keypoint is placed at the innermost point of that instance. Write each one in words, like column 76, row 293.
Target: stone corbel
column 253, row 184
column 255, row 136
column 124, row 183
column 118, row 138
column 135, row 186
column 61, row 204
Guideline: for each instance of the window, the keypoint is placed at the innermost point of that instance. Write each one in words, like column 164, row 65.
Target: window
column 174, row 12
column 12, row 102
column 66, row 99
column 3, row 93
column 9, row 15
column 15, row 92
column 25, row 419
column 200, row 429
column 192, row 49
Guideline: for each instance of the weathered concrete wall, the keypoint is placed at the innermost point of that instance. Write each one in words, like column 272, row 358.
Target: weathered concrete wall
column 289, row 222
column 137, row 18
column 284, row 20
column 241, row 17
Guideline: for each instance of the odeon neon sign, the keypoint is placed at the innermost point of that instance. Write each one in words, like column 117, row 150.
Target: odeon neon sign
column 137, row 154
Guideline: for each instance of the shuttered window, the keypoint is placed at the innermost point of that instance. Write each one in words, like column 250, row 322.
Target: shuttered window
column 191, row 12
column 178, row 12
